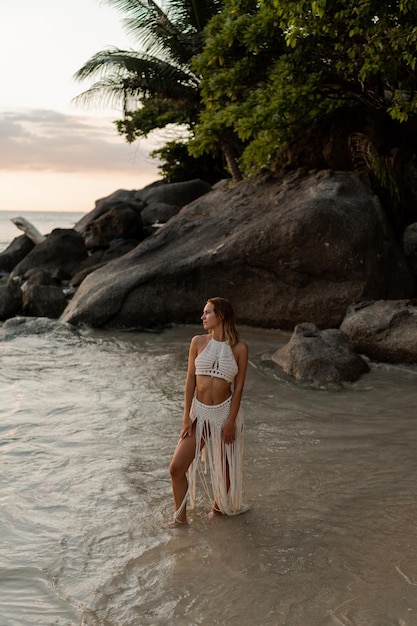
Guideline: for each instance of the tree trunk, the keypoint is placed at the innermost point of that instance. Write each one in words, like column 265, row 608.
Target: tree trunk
column 231, row 160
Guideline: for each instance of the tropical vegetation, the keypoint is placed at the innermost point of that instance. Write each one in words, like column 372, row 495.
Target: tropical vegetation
column 272, row 68
column 250, row 76
column 154, row 85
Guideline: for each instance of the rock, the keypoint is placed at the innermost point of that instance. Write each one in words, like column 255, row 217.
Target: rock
column 15, row 252
column 37, row 276
column 177, row 194
column 120, row 198
column 155, row 197
column 59, row 255
column 118, row 248
column 10, row 299
column 158, row 212
column 410, row 245
column 319, row 357
column 99, row 258
column 384, row 330
column 43, row 301
column 283, row 250
column 117, row 224
column 27, row 326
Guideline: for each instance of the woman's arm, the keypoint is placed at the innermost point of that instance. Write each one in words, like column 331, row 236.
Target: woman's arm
column 242, row 355
column 189, row 388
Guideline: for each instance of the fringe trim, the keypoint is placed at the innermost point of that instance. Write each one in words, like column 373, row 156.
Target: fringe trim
column 212, row 457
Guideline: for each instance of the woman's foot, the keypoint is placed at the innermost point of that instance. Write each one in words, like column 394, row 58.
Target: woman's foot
column 175, row 523
column 215, row 511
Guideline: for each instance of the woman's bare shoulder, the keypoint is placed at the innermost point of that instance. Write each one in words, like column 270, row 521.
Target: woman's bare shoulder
column 199, row 340
column 241, row 349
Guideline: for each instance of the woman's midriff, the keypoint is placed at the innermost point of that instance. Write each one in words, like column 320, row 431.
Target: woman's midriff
column 211, row 390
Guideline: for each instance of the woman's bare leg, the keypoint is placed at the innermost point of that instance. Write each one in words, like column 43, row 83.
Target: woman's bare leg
column 181, row 461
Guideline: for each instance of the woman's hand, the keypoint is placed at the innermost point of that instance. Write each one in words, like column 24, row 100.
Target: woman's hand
column 187, row 425
column 228, row 431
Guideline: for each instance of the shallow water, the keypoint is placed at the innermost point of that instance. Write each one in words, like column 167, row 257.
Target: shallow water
column 88, row 425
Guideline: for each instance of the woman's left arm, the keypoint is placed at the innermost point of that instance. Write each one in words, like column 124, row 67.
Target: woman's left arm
column 241, row 355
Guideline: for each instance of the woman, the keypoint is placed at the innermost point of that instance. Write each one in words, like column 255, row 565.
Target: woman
column 217, row 364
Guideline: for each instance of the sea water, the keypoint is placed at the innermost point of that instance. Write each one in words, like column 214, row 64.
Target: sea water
column 88, row 424
column 44, row 221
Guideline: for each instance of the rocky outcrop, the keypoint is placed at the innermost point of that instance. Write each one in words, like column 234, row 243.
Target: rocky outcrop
column 14, row 253
column 176, row 194
column 58, row 255
column 157, row 202
column 384, row 330
column 10, row 298
column 319, row 357
column 35, row 285
column 283, row 250
column 43, row 301
column 42, row 278
column 117, row 224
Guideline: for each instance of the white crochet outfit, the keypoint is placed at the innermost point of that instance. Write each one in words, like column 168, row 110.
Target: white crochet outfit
column 216, row 360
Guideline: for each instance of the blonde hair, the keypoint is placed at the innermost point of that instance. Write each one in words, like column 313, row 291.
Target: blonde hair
column 224, row 311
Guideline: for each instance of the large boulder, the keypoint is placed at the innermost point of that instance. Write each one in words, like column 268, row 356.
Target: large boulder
column 59, row 255
column 10, row 298
column 282, row 250
column 117, row 224
column 15, row 252
column 383, row 330
column 100, row 257
column 158, row 212
column 177, row 194
column 156, row 198
column 118, row 199
column 320, row 357
column 43, row 301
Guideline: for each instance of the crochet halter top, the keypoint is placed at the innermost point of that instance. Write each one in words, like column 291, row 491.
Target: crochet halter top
column 217, row 360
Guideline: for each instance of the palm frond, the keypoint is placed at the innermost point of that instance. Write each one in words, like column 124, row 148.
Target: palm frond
column 174, row 30
column 106, row 92
column 138, row 75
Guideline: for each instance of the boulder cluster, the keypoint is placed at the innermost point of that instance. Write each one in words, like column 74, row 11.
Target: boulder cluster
column 309, row 251
column 39, row 274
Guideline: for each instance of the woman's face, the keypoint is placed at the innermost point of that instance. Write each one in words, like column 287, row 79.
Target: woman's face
column 209, row 318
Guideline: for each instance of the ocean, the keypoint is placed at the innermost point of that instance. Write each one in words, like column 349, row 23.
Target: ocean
column 44, row 221
column 88, row 424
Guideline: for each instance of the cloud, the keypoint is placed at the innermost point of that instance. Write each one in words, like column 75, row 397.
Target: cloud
column 49, row 141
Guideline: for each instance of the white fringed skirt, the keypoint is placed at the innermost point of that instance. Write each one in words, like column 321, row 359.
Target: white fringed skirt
column 215, row 461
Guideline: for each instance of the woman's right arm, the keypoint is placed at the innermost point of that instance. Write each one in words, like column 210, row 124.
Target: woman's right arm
column 189, row 388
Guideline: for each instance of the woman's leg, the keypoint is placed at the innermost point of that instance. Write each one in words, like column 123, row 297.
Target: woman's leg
column 181, row 461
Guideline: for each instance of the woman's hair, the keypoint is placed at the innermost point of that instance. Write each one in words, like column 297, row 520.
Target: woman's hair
column 224, row 311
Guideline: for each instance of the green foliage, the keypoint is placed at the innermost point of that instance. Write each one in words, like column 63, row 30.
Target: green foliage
column 154, row 85
column 250, row 76
column 270, row 69
column 157, row 113
column 177, row 165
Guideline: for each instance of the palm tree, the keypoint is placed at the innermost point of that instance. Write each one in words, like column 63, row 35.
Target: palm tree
column 155, row 85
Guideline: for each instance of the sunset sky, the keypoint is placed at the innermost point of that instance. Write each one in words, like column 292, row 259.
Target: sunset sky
column 54, row 155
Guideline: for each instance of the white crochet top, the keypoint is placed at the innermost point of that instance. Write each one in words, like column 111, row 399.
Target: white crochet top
column 217, row 360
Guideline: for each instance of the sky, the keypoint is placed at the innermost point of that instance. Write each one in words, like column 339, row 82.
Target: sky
column 56, row 155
